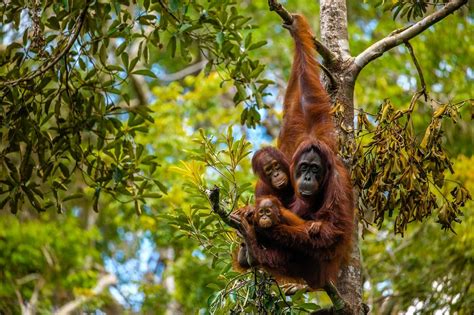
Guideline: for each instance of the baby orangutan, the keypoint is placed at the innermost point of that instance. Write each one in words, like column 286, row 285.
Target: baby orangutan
column 256, row 223
column 270, row 212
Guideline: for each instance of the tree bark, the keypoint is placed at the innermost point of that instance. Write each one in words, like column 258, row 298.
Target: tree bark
column 334, row 35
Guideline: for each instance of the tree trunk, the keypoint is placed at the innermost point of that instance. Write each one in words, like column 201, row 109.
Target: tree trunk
column 334, row 35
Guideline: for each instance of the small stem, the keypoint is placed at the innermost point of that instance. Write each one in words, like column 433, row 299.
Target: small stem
column 418, row 69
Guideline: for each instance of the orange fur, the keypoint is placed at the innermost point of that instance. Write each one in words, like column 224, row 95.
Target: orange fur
column 291, row 250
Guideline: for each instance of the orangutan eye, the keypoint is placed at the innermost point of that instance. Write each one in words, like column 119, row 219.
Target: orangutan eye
column 267, row 170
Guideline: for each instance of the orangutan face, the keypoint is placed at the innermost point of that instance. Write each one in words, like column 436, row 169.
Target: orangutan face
column 309, row 174
column 274, row 172
column 267, row 213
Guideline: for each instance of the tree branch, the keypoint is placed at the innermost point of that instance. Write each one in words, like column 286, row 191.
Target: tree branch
column 197, row 67
column 281, row 11
column 328, row 56
column 213, row 196
column 103, row 283
column 45, row 67
column 398, row 37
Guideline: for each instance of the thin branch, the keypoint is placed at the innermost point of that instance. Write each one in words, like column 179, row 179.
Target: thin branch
column 165, row 7
column 197, row 67
column 45, row 67
column 102, row 284
column 19, row 297
column 213, row 196
column 340, row 306
column 31, row 308
column 398, row 37
column 418, row 69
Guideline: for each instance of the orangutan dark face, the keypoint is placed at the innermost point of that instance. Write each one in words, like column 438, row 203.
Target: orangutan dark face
column 309, row 174
column 274, row 172
column 267, row 213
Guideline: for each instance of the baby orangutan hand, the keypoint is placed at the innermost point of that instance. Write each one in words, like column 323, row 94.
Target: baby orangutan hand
column 314, row 227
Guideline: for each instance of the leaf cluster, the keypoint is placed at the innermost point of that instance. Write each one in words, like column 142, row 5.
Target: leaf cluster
column 219, row 30
column 398, row 173
column 67, row 113
column 428, row 268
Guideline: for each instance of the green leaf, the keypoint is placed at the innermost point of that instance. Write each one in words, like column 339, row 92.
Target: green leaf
column 73, row 196
column 220, row 38
column 152, row 195
column 145, row 72
column 162, row 187
column 257, row 45
column 185, row 27
column 248, row 40
column 124, row 57
column 172, row 46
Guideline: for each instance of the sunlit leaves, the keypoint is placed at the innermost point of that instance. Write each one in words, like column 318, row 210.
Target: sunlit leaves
column 71, row 117
column 220, row 29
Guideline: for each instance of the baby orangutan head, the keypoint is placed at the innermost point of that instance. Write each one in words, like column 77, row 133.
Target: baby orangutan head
column 267, row 213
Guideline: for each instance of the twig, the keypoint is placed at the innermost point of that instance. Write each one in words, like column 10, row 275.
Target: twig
column 418, row 69
column 338, row 302
column 398, row 37
column 168, row 11
column 213, row 196
column 45, row 67
column 340, row 306
column 197, row 67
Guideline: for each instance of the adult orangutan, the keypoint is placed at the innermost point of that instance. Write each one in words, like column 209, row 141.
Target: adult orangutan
column 321, row 182
column 273, row 170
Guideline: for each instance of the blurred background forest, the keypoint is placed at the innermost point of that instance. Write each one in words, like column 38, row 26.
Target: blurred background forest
column 170, row 129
